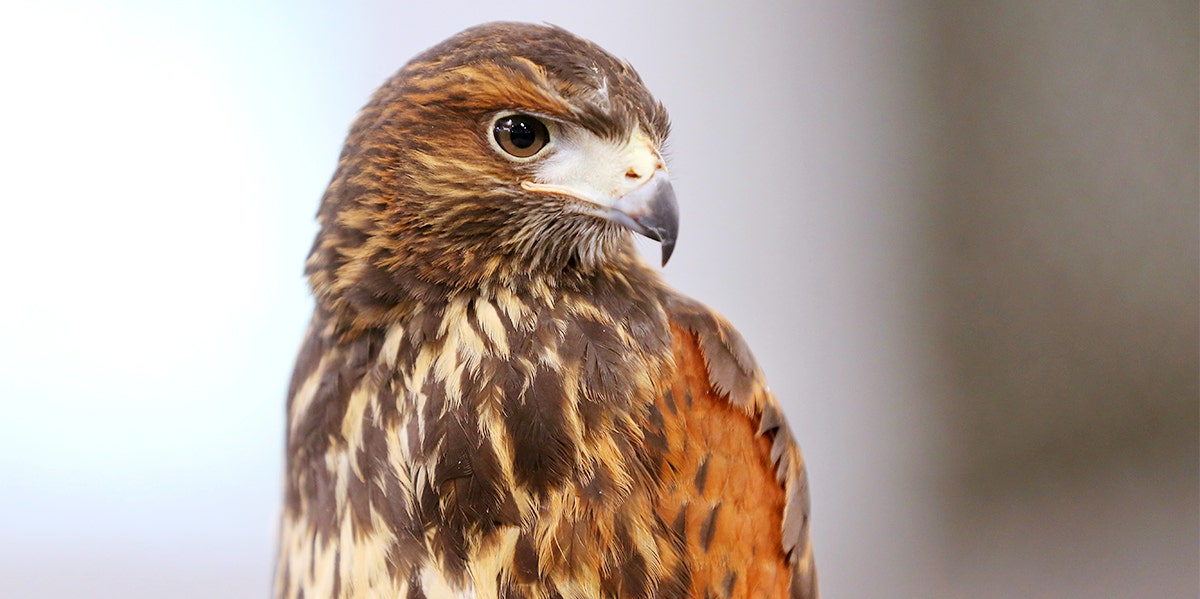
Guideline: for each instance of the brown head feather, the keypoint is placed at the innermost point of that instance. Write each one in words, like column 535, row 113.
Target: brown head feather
column 421, row 204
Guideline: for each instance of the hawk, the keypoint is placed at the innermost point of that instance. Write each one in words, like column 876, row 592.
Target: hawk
column 496, row 396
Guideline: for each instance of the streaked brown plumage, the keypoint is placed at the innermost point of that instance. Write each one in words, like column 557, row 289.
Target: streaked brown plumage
column 496, row 396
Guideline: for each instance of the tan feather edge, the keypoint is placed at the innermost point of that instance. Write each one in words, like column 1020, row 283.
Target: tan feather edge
column 734, row 373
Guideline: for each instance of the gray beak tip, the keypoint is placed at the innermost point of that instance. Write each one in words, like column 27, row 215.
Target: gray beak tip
column 668, row 247
column 651, row 211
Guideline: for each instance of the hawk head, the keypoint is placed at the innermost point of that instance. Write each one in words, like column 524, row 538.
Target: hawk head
column 510, row 152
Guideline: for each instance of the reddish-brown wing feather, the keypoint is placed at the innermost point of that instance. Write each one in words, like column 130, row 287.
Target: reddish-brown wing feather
column 734, row 481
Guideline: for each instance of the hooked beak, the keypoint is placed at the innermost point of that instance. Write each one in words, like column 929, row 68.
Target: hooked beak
column 625, row 183
column 650, row 210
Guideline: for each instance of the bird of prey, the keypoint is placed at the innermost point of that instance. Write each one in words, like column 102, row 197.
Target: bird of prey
column 497, row 397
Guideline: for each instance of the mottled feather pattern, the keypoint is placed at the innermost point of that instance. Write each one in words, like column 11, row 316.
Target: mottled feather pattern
column 496, row 397
column 733, row 377
column 448, row 444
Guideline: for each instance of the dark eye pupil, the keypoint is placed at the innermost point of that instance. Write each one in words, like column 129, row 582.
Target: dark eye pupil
column 521, row 133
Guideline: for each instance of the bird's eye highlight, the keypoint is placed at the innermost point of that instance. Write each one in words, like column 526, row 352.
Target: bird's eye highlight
column 521, row 135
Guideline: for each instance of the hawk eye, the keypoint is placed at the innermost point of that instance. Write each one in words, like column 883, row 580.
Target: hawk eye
column 521, row 135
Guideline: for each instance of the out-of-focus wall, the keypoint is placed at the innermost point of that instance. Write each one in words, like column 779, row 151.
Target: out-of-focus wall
column 1066, row 221
column 962, row 241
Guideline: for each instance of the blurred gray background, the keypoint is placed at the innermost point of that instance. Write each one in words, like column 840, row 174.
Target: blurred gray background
column 962, row 239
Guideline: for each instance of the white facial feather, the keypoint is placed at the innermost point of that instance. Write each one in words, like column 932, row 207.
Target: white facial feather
column 598, row 170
